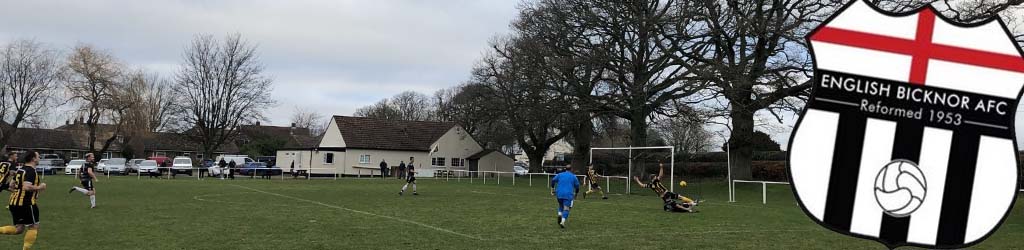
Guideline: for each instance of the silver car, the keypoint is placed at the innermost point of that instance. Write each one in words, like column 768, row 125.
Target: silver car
column 116, row 166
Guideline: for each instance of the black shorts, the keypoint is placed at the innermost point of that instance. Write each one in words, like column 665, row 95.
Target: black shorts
column 25, row 215
column 671, row 206
column 595, row 186
column 669, row 196
column 411, row 179
column 87, row 185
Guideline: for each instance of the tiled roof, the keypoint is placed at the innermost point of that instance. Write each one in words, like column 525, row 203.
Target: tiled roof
column 371, row 133
column 293, row 137
column 43, row 139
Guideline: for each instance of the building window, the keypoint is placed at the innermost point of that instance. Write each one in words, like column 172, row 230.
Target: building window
column 184, row 154
column 456, row 162
column 329, row 158
column 199, row 156
column 364, row 159
column 437, row 161
column 161, row 154
column 74, row 154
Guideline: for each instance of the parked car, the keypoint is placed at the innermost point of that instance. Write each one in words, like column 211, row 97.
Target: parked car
column 133, row 165
column 73, row 167
column 116, row 166
column 240, row 160
column 269, row 160
column 148, row 166
column 101, row 166
column 50, row 164
column 182, row 164
column 159, row 159
column 520, row 170
column 259, row 168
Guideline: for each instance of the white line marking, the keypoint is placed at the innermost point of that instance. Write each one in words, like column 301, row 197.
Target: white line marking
column 986, row 125
column 836, row 101
column 363, row 212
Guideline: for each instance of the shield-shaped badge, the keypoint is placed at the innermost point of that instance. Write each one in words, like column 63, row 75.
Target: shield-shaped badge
column 908, row 137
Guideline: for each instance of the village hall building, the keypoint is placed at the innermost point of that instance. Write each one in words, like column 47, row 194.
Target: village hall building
column 355, row 146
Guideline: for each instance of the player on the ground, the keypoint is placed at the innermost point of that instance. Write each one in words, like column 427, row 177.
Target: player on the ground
column 7, row 169
column 23, row 201
column 565, row 186
column 88, row 176
column 593, row 184
column 410, row 179
column 672, row 202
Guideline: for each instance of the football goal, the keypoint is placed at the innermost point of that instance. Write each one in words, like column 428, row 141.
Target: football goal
column 633, row 161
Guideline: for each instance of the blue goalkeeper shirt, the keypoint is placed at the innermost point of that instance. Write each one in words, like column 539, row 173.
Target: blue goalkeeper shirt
column 565, row 185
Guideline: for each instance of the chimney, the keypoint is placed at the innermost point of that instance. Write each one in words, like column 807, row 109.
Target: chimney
column 292, row 130
column 257, row 123
column 67, row 122
column 293, row 125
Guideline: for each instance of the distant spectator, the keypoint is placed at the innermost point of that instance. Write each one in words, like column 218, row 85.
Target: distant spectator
column 383, row 168
column 401, row 170
column 222, row 165
column 295, row 175
column 231, row 169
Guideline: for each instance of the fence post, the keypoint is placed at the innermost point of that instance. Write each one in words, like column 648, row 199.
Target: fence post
column 764, row 193
column 530, row 176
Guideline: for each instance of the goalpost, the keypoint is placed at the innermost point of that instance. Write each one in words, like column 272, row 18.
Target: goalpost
column 629, row 165
column 732, row 182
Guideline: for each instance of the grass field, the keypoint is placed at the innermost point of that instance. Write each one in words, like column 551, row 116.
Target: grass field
column 369, row 214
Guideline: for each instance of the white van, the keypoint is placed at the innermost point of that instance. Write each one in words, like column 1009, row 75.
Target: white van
column 182, row 164
column 240, row 161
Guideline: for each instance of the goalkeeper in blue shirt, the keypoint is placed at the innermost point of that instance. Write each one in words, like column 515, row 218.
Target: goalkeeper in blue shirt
column 565, row 186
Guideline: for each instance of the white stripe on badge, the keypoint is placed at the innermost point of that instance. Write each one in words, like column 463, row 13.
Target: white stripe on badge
column 885, row 65
column 995, row 180
column 934, row 160
column 812, row 148
column 879, row 136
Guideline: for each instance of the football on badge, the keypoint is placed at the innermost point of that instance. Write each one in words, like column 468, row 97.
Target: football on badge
column 900, row 188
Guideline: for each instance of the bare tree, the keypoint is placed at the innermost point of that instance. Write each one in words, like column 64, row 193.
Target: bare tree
column 29, row 79
column 412, row 106
column 759, row 62
column 93, row 81
column 380, row 110
column 221, row 86
column 405, row 106
column 534, row 113
column 472, row 107
column 306, row 118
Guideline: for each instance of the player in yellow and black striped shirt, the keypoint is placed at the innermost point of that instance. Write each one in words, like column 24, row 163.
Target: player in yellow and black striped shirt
column 673, row 202
column 23, row 201
column 7, row 169
column 594, row 184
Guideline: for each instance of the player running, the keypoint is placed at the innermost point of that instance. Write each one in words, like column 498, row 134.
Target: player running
column 88, row 176
column 673, row 202
column 594, row 185
column 410, row 178
column 7, row 169
column 23, row 202
column 565, row 187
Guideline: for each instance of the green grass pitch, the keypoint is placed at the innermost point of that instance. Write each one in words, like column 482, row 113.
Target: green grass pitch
column 369, row 214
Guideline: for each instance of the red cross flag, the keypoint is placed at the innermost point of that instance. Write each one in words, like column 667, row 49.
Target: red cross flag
column 908, row 137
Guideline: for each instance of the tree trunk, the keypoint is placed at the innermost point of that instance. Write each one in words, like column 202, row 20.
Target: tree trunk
column 741, row 151
column 638, row 138
column 583, row 135
column 536, row 161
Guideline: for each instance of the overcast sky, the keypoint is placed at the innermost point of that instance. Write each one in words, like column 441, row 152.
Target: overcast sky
column 330, row 56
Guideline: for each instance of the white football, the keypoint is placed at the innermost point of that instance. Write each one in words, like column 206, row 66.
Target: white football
column 900, row 188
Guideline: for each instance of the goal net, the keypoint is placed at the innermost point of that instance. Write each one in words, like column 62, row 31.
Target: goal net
column 618, row 165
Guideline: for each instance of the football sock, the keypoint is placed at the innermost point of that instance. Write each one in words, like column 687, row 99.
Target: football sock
column 92, row 200
column 414, row 187
column 565, row 214
column 80, row 190
column 30, row 239
column 8, row 230
column 404, row 187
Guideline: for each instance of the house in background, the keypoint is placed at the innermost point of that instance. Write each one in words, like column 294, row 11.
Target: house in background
column 356, row 146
